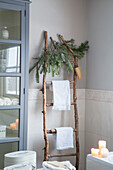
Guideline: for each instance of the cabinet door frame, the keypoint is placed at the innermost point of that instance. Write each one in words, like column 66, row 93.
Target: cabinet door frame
column 24, row 74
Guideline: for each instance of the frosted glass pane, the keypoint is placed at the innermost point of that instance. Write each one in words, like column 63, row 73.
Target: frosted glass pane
column 6, row 148
column 9, row 90
column 9, row 123
column 9, row 58
column 9, row 24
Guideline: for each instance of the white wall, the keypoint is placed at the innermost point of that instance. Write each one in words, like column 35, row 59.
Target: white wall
column 67, row 17
column 99, row 118
column 99, row 102
column 100, row 36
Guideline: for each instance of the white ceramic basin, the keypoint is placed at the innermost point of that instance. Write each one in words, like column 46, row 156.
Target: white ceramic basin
column 97, row 163
column 110, row 158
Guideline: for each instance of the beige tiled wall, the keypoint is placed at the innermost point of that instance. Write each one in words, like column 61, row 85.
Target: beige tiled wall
column 98, row 118
column 95, row 108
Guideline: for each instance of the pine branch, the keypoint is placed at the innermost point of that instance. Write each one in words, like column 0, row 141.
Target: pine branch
column 57, row 53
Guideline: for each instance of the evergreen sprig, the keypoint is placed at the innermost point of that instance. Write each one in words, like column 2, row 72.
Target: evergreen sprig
column 58, row 53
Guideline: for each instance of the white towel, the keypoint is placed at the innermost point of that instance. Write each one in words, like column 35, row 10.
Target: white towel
column 7, row 101
column 49, row 165
column 15, row 101
column 64, row 138
column 2, row 102
column 61, row 95
column 19, row 167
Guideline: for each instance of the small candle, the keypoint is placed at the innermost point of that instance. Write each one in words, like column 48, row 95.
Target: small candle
column 94, row 152
column 104, row 152
column 17, row 123
column 12, row 126
column 101, row 144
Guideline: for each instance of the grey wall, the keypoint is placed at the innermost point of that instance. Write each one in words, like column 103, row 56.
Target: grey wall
column 67, row 17
column 100, row 36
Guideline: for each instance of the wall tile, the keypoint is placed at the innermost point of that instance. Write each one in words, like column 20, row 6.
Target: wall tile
column 98, row 118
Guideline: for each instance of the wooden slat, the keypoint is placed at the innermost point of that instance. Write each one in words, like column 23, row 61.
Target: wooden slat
column 76, row 114
column 51, row 104
column 54, row 131
column 62, row 155
column 46, row 149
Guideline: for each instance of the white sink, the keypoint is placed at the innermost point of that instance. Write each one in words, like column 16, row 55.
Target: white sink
column 97, row 163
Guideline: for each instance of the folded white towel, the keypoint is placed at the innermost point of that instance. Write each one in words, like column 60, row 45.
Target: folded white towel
column 61, row 95
column 7, row 101
column 64, row 138
column 19, row 167
column 55, row 165
column 15, row 101
column 1, row 102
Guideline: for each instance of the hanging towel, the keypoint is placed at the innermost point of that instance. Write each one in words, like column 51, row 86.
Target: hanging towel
column 55, row 165
column 61, row 95
column 64, row 138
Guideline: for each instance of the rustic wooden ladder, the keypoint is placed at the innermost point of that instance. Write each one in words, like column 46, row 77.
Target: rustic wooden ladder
column 74, row 103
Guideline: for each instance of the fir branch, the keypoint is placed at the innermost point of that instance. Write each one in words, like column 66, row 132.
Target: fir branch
column 57, row 53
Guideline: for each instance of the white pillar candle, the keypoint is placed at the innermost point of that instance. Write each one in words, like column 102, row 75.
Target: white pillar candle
column 17, row 123
column 94, row 152
column 101, row 144
column 13, row 126
column 104, row 152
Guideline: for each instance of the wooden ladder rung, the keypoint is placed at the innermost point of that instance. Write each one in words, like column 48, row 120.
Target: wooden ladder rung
column 50, row 82
column 54, row 131
column 51, row 104
column 62, row 155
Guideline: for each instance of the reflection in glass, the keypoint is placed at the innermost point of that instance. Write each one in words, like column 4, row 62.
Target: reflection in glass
column 9, row 58
column 7, row 148
column 9, row 90
column 9, row 123
column 9, row 24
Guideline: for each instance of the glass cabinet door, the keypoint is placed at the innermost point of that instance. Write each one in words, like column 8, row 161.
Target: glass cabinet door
column 12, row 83
column 10, row 24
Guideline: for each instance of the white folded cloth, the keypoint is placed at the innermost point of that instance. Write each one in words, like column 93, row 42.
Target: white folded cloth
column 19, row 167
column 61, row 95
column 55, row 165
column 1, row 102
column 64, row 138
column 15, row 101
column 7, row 101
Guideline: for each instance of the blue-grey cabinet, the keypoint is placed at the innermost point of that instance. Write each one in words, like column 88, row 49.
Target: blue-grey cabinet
column 14, row 28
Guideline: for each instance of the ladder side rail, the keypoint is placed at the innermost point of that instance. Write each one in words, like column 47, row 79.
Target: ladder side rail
column 75, row 101
column 46, row 148
column 76, row 113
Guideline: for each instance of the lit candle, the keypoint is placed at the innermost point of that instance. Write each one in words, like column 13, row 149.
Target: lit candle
column 94, row 152
column 17, row 123
column 12, row 126
column 101, row 144
column 104, row 152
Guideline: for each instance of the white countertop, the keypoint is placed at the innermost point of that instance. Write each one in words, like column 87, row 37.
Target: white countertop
column 107, row 161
